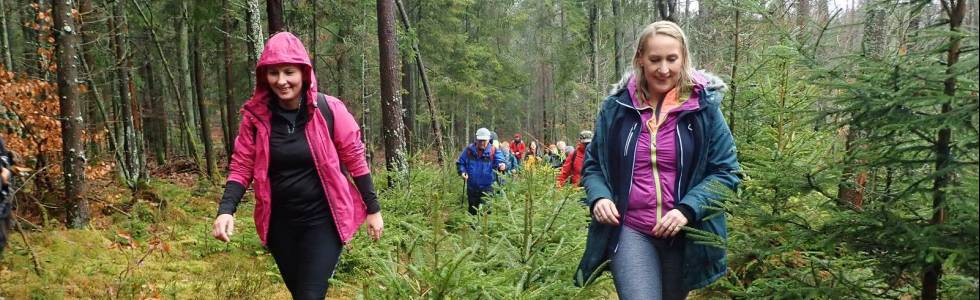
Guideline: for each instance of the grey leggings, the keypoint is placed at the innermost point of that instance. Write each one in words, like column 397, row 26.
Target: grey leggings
column 644, row 267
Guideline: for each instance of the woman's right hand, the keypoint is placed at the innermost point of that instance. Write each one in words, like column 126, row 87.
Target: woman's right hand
column 605, row 212
column 224, row 227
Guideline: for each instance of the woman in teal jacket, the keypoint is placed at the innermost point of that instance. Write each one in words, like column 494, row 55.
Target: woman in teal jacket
column 660, row 156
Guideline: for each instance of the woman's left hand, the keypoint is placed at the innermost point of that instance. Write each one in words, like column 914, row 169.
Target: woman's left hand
column 670, row 224
column 375, row 225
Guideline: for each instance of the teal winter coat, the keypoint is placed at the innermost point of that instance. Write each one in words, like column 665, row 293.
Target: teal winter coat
column 706, row 161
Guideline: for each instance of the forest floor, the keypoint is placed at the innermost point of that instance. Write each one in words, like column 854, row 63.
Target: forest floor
column 528, row 247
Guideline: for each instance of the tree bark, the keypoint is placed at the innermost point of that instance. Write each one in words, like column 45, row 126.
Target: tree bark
column 182, row 111
column 202, row 108
column 231, row 106
column 183, row 54
column 156, row 119
column 408, row 100
column 313, row 38
column 71, row 116
column 253, row 31
column 274, row 10
column 434, row 123
column 667, row 10
column 391, row 106
column 87, row 29
column 134, row 164
column 734, row 83
column 802, row 14
column 956, row 10
column 617, row 38
column 851, row 187
column 8, row 60
column 29, row 57
column 593, row 51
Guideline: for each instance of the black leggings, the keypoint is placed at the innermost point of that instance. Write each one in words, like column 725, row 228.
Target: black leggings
column 306, row 255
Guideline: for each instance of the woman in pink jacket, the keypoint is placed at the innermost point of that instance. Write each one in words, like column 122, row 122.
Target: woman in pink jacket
column 306, row 207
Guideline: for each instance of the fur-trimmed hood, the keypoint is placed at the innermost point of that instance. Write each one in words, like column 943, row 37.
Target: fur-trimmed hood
column 713, row 86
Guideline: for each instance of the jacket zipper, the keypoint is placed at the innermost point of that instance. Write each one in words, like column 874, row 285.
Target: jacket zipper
column 680, row 168
column 654, row 129
column 622, row 218
column 626, row 148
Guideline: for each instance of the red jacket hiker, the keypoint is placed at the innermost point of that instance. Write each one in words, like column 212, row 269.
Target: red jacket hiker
column 517, row 147
column 572, row 169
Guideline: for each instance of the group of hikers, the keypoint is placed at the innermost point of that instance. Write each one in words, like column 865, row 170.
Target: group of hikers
column 660, row 151
column 481, row 162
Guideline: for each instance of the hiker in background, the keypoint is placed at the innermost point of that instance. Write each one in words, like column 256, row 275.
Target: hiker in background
column 6, row 206
column 513, row 164
column 572, row 169
column 298, row 147
column 562, row 150
column 553, row 156
column 517, row 147
column 661, row 154
column 476, row 165
column 533, row 155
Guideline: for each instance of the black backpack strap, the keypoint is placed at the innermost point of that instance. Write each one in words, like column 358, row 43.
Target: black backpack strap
column 321, row 103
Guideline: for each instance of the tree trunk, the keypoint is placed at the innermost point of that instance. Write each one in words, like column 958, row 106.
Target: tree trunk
column 183, row 54
column 87, row 29
column 8, row 60
column 391, row 104
column 313, row 38
column 274, row 10
column 823, row 11
column 202, row 109
column 71, row 116
column 254, row 35
column 956, row 10
column 408, row 101
column 802, row 15
column 342, row 60
column 29, row 55
column 734, row 84
column 593, row 51
column 667, row 10
column 134, row 164
column 231, row 106
column 156, row 119
column 617, row 38
column 182, row 111
column 434, row 123
column 850, row 189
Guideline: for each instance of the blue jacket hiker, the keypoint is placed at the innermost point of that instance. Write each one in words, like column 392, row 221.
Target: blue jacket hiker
column 476, row 165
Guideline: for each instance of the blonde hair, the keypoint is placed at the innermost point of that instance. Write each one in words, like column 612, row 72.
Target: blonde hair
column 685, row 82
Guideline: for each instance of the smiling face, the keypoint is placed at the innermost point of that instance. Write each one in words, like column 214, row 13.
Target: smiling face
column 285, row 80
column 662, row 61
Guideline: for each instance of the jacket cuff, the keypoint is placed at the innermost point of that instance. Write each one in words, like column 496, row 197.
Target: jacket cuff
column 231, row 198
column 366, row 186
column 687, row 211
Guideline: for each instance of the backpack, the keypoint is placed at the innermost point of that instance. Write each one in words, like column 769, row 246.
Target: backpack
column 472, row 153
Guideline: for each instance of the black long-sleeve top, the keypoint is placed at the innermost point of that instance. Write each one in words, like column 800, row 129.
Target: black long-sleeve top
column 297, row 192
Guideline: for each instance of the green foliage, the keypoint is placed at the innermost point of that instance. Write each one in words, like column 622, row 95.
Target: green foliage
column 791, row 236
column 528, row 245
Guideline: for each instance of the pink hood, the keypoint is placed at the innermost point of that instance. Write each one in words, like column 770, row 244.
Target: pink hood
column 250, row 160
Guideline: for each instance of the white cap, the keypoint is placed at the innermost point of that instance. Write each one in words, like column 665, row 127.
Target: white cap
column 483, row 134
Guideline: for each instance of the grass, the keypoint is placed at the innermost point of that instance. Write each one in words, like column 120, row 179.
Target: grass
column 526, row 248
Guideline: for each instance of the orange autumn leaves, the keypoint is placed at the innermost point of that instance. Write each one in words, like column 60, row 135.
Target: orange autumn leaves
column 30, row 124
